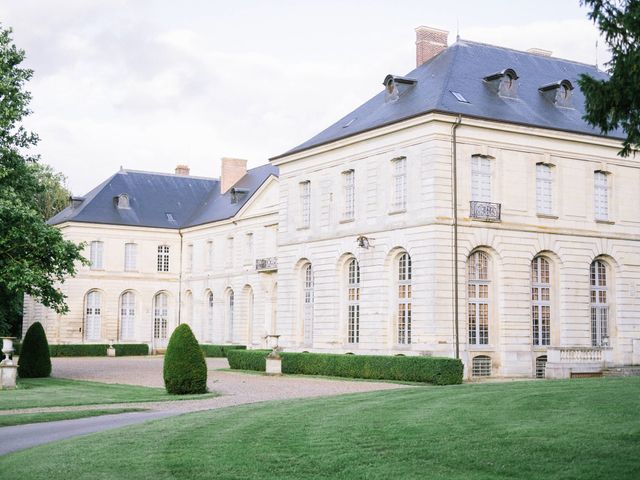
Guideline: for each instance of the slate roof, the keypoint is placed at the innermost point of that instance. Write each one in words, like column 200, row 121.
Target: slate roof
column 189, row 200
column 461, row 68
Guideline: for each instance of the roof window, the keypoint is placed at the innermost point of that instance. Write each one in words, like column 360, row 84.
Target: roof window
column 169, row 216
column 75, row 202
column 122, row 201
column 504, row 83
column 558, row 93
column 395, row 87
column 238, row 193
column 459, row 97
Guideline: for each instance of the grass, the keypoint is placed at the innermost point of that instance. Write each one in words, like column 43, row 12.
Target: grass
column 23, row 418
column 60, row 392
column 583, row 429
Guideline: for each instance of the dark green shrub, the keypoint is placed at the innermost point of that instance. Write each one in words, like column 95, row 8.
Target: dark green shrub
column 219, row 351
column 79, row 350
column 131, row 349
column 185, row 370
column 34, row 357
column 248, row 359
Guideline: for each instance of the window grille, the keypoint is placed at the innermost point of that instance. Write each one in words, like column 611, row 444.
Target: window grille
column 96, row 255
column 160, row 316
column 353, row 301
column 399, row 183
column 480, row 179
column 210, row 313
column 601, row 196
column 541, row 301
column 541, row 365
column 348, row 179
column 93, row 315
column 404, row 299
column 189, row 266
column 305, row 204
column 478, row 298
column 127, row 316
column 130, row 257
column 481, row 366
column 163, row 258
column 544, row 189
column 599, row 304
column 308, row 304
column 230, row 314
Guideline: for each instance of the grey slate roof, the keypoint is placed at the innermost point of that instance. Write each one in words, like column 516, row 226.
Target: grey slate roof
column 461, row 68
column 190, row 200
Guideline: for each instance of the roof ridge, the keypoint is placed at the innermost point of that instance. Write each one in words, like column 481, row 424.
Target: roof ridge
column 165, row 174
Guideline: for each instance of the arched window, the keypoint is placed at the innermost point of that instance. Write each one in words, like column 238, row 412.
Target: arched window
column 93, row 313
column 599, row 304
column 210, row 313
column 481, row 366
column 160, row 317
column 353, row 301
column 307, row 303
column 478, row 292
column 541, row 301
column 230, row 313
column 127, row 315
column 404, row 299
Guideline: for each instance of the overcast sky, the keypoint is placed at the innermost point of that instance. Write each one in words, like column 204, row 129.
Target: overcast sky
column 150, row 84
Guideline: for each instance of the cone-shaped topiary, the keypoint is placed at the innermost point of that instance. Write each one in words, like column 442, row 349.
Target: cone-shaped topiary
column 185, row 370
column 35, row 361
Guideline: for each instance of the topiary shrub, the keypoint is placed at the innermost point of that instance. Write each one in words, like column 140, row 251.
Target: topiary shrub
column 35, row 361
column 185, row 370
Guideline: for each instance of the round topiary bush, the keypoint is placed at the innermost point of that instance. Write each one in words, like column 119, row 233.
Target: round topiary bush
column 185, row 370
column 35, row 361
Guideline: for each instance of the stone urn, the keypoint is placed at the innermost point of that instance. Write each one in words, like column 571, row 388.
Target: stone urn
column 8, row 369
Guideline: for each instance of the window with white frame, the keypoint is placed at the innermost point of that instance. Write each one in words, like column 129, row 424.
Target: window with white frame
column 399, row 201
column 478, row 298
column 160, row 316
column 130, row 257
column 349, row 195
column 163, row 258
column 599, row 304
column 189, row 259
column 601, row 195
column 249, row 257
column 305, row 204
column 480, row 179
column 541, row 301
column 544, row 188
column 481, row 366
column 96, row 255
column 229, row 259
column 404, row 299
column 127, row 315
column 230, row 314
column 541, row 366
column 307, row 303
column 353, row 301
column 209, row 254
column 93, row 315
column 210, row 305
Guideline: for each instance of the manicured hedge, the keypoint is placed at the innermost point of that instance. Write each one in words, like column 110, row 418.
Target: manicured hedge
column 219, row 350
column 185, row 370
column 248, row 359
column 131, row 349
column 35, row 361
column 435, row 370
column 98, row 349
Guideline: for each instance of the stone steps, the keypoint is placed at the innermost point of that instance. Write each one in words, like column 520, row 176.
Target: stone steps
column 623, row 371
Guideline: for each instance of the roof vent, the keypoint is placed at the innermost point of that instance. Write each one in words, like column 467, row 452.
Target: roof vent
column 503, row 83
column 558, row 93
column 238, row 193
column 122, row 201
column 540, row 51
column 396, row 86
column 182, row 169
column 75, row 202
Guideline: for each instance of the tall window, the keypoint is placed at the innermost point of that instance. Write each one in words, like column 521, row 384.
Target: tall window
column 305, row 204
column 130, row 257
column 189, row 259
column 480, row 179
column 404, row 299
column 249, row 248
column 478, row 293
column 163, row 258
column 93, row 315
column 160, row 316
column 308, row 303
column 127, row 315
column 601, row 195
column 349, row 194
column 96, row 255
column 353, row 301
column 540, row 301
column 399, row 201
column 599, row 304
column 229, row 259
column 210, row 313
column 209, row 254
column 544, row 189
column 230, row 314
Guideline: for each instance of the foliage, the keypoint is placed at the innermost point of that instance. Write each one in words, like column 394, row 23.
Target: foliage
column 219, row 351
column 248, row 359
column 131, row 349
column 185, row 370
column 34, row 257
column 615, row 102
column 34, row 355
column 97, row 349
column 52, row 195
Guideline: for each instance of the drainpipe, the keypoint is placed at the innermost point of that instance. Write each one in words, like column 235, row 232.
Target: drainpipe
column 454, row 206
column 180, row 281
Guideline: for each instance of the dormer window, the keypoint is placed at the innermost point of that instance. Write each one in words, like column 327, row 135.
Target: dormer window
column 75, row 202
column 238, row 193
column 558, row 93
column 122, row 201
column 396, row 87
column 503, row 83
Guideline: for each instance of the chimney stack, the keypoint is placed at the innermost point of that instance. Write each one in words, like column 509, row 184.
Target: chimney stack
column 429, row 43
column 182, row 169
column 233, row 169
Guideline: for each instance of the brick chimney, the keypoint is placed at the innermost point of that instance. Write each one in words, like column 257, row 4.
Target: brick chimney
column 429, row 43
column 182, row 169
column 232, row 170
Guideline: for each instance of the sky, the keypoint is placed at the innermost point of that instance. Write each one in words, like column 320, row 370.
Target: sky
column 148, row 85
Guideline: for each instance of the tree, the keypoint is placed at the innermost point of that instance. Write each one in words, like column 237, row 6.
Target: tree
column 185, row 369
column 53, row 194
column 34, row 257
column 615, row 102
column 35, row 358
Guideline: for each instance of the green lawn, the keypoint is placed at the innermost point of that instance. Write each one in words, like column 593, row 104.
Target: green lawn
column 587, row 429
column 7, row 420
column 59, row 392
